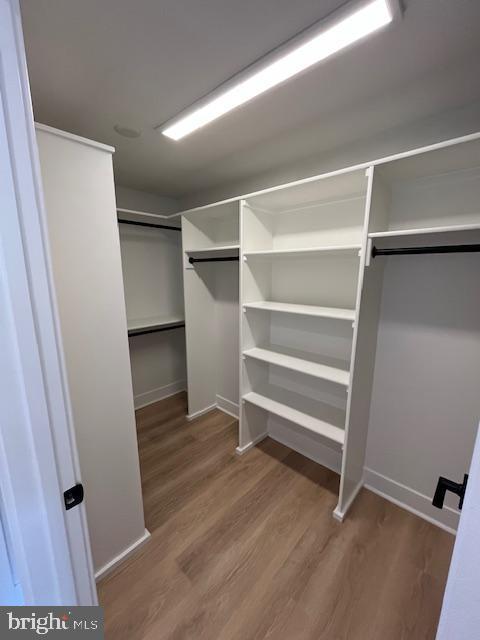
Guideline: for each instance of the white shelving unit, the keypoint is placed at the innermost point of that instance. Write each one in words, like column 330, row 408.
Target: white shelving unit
column 211, row 307
column 302, row 254
column 452, row 228
column 310, row 294
column 301, row 363
column 145, row 325
column 304, row 420
column 302, row 310
column 152, row 276
column 433, row 193
column 225, row 251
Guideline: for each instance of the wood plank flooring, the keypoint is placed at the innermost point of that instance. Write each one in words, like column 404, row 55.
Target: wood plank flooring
column 246, row 548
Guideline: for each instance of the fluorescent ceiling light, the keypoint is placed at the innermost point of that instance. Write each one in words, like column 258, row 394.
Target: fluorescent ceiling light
column 353, row 26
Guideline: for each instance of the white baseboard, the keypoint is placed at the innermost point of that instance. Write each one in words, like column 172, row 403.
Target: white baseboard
column 227, row 406
column 200, row 412
column 149, row 397
column 411, row 500
column 339, row 514
column 246, row 447
column 110, row 566
column 306, row 444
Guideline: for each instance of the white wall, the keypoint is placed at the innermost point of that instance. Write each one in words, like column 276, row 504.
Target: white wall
column 144, row 201
column 152, row 274
column 442, row 126
column 227, row 330
column 81, row 216
column 425, row 404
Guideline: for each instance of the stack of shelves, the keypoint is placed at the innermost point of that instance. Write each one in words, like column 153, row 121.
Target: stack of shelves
column 301, row 250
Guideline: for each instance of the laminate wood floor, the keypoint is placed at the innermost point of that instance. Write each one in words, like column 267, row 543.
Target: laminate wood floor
column 245, row 548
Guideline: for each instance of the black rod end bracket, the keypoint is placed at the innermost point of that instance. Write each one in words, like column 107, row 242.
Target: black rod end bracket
column 444, row 485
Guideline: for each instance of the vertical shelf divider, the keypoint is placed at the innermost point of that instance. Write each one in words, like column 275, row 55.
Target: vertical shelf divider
column 363, row 352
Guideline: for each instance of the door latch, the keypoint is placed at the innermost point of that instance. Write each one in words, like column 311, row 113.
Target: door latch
column 73, row 496
column 444, row 485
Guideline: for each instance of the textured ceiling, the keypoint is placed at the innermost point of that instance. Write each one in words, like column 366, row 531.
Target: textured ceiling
column 94, row 64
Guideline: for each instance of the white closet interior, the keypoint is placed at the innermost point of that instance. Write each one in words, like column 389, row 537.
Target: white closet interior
column 297, row 320
column 152, row 275
column 314, row 304
column 211, row 288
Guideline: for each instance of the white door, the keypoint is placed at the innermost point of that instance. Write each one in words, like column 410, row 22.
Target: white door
column 10, row 589
column 460, row 617
column 50, row 552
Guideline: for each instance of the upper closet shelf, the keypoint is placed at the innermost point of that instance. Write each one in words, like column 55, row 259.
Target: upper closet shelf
column 156, row 323
column 304, row 310
column 302, row 365
column 332, row 250
column 225, row 251
column 144, row 219
column 300, row 418
column 425, row 231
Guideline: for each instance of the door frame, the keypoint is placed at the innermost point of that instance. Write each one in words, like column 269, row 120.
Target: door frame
column 50, row 546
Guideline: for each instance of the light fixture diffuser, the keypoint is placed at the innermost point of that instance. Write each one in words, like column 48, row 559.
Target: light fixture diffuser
column 332, row 35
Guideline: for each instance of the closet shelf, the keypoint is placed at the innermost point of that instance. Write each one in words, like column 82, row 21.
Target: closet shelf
column 304, row 420
column 156, row 323
column 303, row 309
column 333, row 250
column 302, row 365
column 225, row 251
column 424, row 230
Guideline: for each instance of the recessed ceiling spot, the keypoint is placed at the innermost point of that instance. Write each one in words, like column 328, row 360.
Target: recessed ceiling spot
column 127, row 132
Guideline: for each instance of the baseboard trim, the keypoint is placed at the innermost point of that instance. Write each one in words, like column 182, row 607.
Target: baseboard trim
column 241, row 450
column 411, row 500
column 339, row 514
column 113, row 564
column 200, row 412
column 227, row 406
column 149, row 397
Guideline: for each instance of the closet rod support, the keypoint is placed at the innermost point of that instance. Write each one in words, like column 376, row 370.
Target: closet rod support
column 228, row 259
column 148, row 224
column 398, row 251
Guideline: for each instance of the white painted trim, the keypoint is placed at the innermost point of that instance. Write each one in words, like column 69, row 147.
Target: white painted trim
column 74, row 137
column 364, row 165
column 227, row 406
column 53, row 560
column 411, row 500
column 201, row 412
column 146, row 214
column 160, row 393
column 241, row 450
column 113, row 564
column 222, row 404
column 338, row 514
